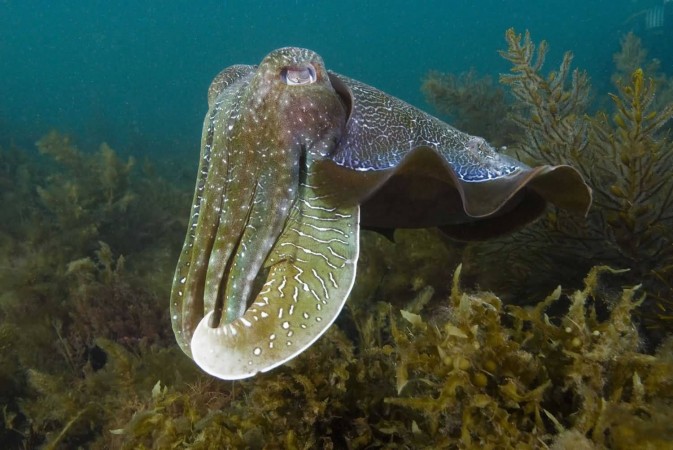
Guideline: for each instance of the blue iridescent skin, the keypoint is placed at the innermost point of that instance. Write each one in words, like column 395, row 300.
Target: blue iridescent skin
column 294, row 161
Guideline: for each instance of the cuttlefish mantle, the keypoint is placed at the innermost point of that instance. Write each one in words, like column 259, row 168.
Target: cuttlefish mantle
column 294, row 160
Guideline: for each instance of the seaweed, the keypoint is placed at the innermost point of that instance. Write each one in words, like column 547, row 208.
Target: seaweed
column 625, row 155
column 62, row 288
column 634, row 56
column 67, row 207
column 550, row 109
column 98, row 196
column 480, row 382
column 416, row 362
column 67, row 411
column 480, row 373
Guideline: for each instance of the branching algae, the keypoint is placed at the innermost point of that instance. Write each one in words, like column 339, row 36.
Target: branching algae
column 627, row 157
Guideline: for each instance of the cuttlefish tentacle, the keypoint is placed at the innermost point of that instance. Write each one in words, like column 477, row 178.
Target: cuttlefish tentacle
column 260, row 212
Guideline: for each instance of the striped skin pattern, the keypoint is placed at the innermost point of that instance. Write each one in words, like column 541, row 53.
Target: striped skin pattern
column 383, row 129
column 293, row 161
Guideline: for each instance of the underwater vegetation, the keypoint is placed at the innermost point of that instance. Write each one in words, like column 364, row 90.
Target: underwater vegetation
column 554, row 357
column 68, row 217
column 626, row 154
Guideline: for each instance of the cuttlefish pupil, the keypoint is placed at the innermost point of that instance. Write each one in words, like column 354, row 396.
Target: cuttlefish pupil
column 294, row 76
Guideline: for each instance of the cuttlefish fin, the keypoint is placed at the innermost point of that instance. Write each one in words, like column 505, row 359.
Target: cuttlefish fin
column 311, row 270
column 423, row 190
column 411, row 170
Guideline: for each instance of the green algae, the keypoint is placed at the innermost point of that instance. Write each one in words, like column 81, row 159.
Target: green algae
column 418, row 359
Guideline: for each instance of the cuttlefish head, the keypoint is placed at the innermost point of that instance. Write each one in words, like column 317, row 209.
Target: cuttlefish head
column 292, row 104
column 264, row 128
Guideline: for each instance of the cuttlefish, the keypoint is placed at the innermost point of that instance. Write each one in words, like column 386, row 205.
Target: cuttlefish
column 295, row 159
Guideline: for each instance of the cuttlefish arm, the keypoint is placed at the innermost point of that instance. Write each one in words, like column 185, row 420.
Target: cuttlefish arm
column 311, row 271
column 267, row 263
column 187, row 296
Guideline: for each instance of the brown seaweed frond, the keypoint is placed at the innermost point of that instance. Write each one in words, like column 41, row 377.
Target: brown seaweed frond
column 100, row 196
column 631, row 57
column 474, row 380
column 634, row 188
column 626, row 157
column 106, row 303
column 89, row 192
column 452, row 371
column 63, row 289
column 596, row 365
column 480, row 375
column 550, row 108
column 297, row 406
column 68, row 412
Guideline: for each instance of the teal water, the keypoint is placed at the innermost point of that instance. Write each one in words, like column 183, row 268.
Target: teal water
column 135, row 74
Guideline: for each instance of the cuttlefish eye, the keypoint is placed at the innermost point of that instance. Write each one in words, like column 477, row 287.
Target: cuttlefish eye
column 298, row 75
